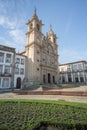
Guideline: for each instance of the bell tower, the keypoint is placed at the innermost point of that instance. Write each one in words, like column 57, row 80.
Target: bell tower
column 33, row 48
column 51, row 36
column 34, row 33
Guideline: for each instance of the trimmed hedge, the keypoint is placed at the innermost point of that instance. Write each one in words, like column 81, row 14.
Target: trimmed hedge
column 27, row 115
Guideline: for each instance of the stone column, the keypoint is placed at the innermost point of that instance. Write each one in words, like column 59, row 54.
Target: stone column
column 66, row 78
column 84, row 76
column 72, row 76
column 79, row 77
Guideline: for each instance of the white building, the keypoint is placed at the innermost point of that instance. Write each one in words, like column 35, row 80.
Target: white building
column 19, row 72
column 75, row 72
column 7, row 56
column 12, row 68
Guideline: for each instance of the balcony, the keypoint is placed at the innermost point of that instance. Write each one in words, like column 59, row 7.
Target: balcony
column 5, row 74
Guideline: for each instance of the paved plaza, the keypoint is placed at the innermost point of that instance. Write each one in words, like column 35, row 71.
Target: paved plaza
column 83, row 99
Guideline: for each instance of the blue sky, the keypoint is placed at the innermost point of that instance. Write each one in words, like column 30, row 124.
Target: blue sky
column 67, row 17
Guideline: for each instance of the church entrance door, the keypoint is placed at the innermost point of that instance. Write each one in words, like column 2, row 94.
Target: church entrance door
column 49, row 81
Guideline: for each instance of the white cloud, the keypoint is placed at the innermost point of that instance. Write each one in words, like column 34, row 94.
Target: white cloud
column 11, row 24
column 11, row 43
column 17, row 36
column 15, row 33
column 4, row 41
column 6, row 23
column 2, row 20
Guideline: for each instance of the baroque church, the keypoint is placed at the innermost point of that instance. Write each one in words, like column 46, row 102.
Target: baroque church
column 42, row 54
column 38, row 64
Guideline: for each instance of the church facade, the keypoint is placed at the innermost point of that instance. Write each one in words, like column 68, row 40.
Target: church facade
column 42, row 54
column 38, row 64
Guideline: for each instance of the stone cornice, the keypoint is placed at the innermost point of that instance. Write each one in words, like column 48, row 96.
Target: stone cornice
column 32, row 44
column 47, row 66
column 34, row 18
column 34, row 29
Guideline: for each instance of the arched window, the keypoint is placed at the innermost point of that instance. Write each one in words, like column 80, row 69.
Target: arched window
column 38, row 28
column 31, row 26
column 54, row 40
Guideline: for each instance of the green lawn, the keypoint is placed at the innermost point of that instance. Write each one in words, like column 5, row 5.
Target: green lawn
column 26, row 114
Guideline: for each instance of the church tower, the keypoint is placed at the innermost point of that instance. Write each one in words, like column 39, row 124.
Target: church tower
column 33, row 48
column 52, row 38
column 34, row 30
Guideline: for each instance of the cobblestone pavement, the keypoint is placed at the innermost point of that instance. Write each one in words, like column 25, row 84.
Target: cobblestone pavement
column 82, row 99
